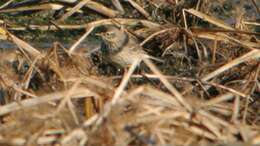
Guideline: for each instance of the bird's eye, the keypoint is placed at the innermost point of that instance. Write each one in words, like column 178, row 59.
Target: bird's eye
column 110, row 34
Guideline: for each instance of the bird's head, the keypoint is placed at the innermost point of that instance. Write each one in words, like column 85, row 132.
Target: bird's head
column 114, row 37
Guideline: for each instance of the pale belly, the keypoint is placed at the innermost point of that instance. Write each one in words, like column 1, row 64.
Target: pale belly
column 126, row 58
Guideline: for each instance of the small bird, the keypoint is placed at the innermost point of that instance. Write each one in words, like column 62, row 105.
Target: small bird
column 121, row 47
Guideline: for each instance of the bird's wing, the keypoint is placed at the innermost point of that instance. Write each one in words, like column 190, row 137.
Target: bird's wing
column 139, row 50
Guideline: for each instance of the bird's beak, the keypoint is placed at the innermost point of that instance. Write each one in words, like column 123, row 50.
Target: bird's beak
column 99, row 34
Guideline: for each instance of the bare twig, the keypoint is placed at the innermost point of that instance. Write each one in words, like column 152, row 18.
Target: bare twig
column 172, row 89
column 74, row 46
column 118, row 6
column 73, row 10
column 139, row 8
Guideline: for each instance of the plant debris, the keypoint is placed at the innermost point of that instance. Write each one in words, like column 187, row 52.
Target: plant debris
column 58, row 89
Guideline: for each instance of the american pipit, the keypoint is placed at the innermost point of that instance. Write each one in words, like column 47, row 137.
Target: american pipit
column 122, row 48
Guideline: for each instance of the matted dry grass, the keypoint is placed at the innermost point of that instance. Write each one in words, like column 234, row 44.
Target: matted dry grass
column 206, row 92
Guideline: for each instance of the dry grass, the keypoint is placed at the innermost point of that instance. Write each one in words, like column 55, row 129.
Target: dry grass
column 206, row 92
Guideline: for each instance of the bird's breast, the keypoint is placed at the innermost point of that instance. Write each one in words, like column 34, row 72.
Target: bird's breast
column 126, row 57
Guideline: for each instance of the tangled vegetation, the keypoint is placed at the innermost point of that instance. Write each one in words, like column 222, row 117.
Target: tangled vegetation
column 57, row 88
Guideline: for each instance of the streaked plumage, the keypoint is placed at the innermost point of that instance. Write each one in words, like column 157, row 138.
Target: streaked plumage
column 122, row 48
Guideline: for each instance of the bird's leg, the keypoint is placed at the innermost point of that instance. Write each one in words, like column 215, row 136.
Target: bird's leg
column 124, row 72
